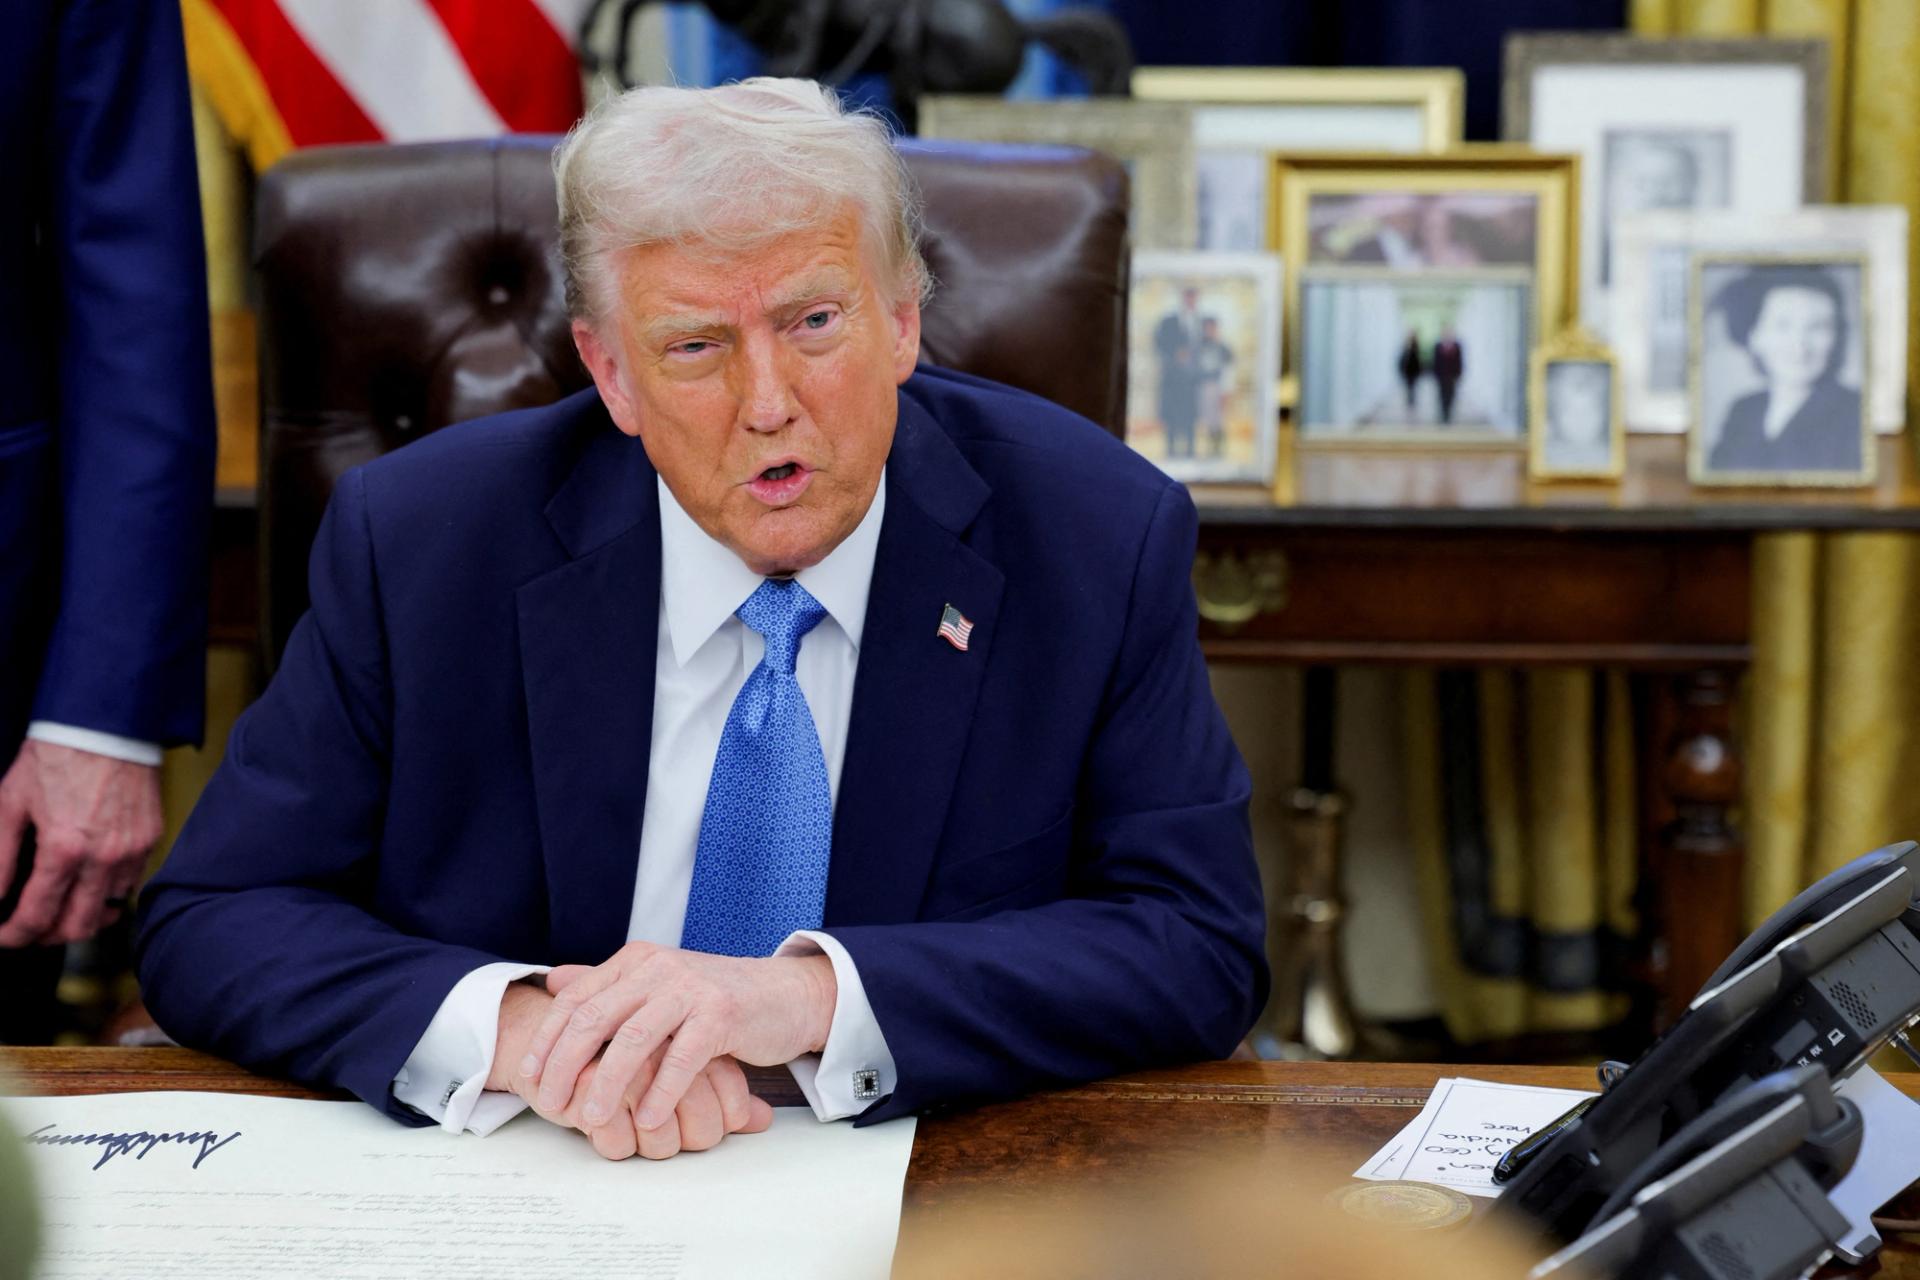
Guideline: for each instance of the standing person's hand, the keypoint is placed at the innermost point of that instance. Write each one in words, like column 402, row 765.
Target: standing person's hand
column 95, row 818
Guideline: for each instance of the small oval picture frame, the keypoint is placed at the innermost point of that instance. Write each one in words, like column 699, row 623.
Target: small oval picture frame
column 1574, row 429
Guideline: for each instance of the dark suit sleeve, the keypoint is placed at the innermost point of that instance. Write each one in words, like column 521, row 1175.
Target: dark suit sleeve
column 135, row 432
column 1158, row 955
column 346, row 996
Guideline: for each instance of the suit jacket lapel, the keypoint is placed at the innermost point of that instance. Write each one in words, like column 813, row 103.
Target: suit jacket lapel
column 914, row 694
column 588, row 630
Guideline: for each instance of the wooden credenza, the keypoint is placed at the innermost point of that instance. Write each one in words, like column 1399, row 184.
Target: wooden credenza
column 1454, row 559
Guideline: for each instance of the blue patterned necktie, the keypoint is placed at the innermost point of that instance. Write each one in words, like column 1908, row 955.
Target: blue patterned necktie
column 760, row 870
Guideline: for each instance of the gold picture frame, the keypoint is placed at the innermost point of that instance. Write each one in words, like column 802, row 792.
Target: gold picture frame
column 1573, row 347
column 1242, row 117
column 1439, row 93
column 1748, row 413
column 1153, row 139
column 1544, row 260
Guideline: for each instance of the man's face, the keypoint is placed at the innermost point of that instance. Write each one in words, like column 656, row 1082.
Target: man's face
column 1657, row 177
column 1577, row 403
column 762, row 385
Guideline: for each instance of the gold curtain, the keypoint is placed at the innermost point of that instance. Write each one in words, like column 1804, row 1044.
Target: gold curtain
column 1521, row 810
column 1833, row 699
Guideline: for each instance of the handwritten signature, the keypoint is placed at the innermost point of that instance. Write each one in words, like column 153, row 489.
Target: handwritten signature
column 120, row 1144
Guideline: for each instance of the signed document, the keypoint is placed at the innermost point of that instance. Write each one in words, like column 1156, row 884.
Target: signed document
column 225, row 1185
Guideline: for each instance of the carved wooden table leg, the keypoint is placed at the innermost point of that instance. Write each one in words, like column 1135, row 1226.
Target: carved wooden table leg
column 1700, row 858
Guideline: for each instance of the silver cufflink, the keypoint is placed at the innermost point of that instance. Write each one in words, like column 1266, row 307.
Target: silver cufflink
column 866, row 1084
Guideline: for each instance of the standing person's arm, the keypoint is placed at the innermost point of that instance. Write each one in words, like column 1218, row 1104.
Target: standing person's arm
column 124, row 671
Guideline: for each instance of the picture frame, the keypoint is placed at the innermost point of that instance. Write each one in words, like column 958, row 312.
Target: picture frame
column 1242, row 115
column 1740, row 124
column 1203, row 361
column 1577, row 430
column 1153, row 139
column 1655, row 251
column 1436, row 360
column 1781, row 354
column 1482, row 235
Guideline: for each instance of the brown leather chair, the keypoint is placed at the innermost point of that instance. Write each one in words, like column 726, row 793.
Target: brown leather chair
column 407, row 287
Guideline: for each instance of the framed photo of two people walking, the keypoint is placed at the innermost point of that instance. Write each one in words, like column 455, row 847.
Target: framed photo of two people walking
column 1418, row 287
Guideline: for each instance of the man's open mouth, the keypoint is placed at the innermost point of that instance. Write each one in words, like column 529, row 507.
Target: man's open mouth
column 780, row 472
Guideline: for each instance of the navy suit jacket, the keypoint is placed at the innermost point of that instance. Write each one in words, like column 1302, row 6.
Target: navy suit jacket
column 1041, row 861
column 106, row 401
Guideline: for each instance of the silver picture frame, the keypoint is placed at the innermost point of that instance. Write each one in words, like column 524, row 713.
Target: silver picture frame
column 1651, row 302
column 1691, row 123
column 1153, row 139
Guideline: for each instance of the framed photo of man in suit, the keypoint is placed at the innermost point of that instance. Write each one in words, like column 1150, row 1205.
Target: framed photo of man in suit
column 1203, row 359
column 1780, row 363
column 1691, row 125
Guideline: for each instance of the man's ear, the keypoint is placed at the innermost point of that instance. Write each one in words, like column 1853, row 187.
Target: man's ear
column 906, row 338
column 604, row 366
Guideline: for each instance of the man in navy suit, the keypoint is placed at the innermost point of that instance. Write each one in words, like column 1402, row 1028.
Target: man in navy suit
column 778, row 701
column 106, row 467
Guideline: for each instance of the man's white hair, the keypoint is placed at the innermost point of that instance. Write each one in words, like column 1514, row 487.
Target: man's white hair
column 728, row 170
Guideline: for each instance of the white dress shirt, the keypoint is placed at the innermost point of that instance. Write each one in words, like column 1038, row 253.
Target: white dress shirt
column 703, row 657
column 112, row 745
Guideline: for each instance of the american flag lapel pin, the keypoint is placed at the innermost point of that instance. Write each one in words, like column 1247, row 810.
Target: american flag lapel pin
column 954, row 628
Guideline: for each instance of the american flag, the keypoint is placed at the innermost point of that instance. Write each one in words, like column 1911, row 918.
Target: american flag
column 954, row 628
column 292, row 73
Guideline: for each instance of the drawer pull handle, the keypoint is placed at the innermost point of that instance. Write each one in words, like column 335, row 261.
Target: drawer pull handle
column 1232, row 590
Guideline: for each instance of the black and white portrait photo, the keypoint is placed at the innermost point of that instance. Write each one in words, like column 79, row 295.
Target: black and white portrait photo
column 1646, row 168
column 1577, row 429
column 1781, row 364
column 1414, row 359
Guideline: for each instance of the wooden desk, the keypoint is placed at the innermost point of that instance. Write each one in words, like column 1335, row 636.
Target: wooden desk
column 1290, row 1119
column 1453, row 558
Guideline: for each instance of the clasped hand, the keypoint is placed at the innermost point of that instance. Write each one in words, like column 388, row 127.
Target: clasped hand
column 645, row 1048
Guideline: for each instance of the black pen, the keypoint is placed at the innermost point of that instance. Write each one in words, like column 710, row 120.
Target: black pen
column 1516, row 1159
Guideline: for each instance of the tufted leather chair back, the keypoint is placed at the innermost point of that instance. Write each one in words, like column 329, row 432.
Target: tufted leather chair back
column 407, row 287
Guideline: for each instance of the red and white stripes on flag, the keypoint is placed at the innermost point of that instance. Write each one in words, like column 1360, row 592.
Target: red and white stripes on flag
column 294, row 73
column 954, row 628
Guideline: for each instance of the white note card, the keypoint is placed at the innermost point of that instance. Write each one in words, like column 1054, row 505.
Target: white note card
column 223, row 1185
column 1464, row 1129
column 1889, row 1159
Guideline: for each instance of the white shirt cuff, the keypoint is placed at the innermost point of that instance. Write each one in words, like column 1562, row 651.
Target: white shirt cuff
column 112, row 745
column 855, row 1070
column 445, row 1077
